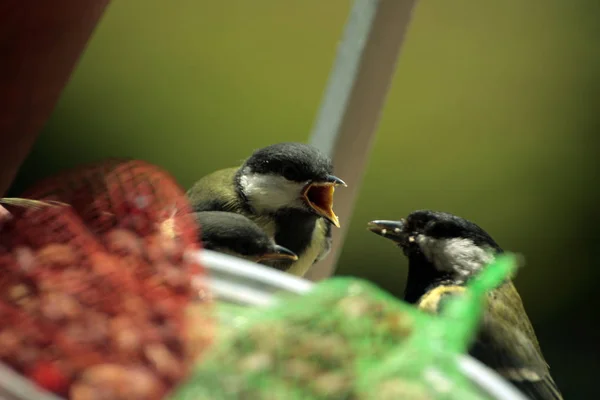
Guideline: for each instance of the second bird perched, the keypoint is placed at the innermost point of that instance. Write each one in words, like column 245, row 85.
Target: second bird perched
column 238, row 236
column 287, row 190
column 444, row 251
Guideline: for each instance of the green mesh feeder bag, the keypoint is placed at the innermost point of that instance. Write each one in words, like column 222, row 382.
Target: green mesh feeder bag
column 346, row 339
column 425, row 366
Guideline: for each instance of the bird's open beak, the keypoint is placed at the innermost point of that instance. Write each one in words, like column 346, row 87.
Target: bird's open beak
column 279, row 253
column 393, row 230
column 319, row 196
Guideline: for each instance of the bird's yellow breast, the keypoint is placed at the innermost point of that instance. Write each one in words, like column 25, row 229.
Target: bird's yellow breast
column 430, row 301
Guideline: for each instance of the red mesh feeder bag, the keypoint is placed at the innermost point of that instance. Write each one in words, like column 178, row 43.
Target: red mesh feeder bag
column 98, row 295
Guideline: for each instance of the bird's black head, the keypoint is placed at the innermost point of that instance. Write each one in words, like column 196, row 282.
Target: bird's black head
column 289, row 175
column 439, row 245
column 236, row 235
column 442, row 225
column 297, row 162
column 436, row 226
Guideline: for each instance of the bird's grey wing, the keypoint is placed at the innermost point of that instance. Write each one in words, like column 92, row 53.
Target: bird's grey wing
column 326, row 226
column 215, row 192
column 224, row 227
column 506, row 342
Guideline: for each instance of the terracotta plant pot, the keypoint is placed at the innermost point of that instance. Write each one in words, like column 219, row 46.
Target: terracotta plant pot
column 40, row 43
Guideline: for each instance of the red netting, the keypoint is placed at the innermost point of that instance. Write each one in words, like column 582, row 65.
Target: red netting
column 94, row 292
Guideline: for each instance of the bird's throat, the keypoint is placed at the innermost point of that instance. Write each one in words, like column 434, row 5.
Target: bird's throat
column 422, row 276
column 295, row 230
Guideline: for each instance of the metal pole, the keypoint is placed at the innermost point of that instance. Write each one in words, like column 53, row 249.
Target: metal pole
column 353, row 101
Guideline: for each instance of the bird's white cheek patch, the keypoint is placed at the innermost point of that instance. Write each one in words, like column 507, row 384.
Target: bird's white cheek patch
column 271, row 192
column 461, row 256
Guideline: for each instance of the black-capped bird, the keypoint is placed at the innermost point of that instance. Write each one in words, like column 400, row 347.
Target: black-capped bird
column 287, row 190
column 444, row 251
column 236, row 235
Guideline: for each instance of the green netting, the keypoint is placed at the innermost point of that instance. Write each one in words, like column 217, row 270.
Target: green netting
column 347, row 339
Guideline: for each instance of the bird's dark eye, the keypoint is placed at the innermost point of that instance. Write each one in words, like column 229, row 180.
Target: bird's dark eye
column 291, row 173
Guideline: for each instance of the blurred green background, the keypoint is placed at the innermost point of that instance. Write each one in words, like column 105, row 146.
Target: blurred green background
column 492, row 116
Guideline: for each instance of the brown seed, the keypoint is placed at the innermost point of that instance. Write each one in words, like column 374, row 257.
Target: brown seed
column 29, row 304
column 58, row 306
column 97, row 323
column 90, row 329
column 117, row 382
column 56, row 255
column 124, row 334
column 151, row 334
column 154, row 251
column 103, row 263
column 74, row 281
column 82, row 391
column 161, row 248
column 123, row 242
column 25, row 259
column 164, row 361
column 174, row 277
column 154, row 282
column 17, row 292
column 133, row 264
column 9, row 343
column 134, row 305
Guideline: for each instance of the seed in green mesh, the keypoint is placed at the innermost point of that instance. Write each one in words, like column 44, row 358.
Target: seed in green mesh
column 354, row 306
column 332, row 384
column 262, row 333
column 377, row 311
column 300, row 370
column 333, row 344
column 399, row 324
column 256, row 362
column 266, row 337
column 328, row 347
column 401, row 389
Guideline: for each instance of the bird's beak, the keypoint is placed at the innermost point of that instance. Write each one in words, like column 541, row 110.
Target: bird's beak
column 319, row 196
column 279, row 253
column 393, row 230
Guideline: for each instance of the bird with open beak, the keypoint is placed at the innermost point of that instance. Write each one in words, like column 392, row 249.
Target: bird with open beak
column 444, row 251
column 287, row 190
column 238, row 236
